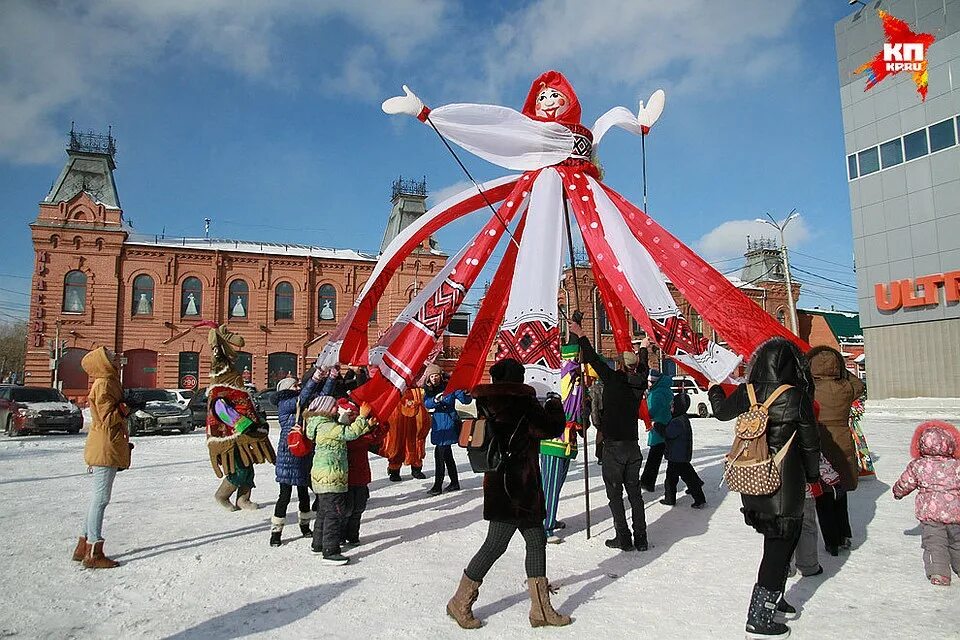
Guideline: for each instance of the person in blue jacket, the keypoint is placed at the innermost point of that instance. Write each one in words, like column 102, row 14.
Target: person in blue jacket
column 291, row 470
column 444, row 427
column 659, row 402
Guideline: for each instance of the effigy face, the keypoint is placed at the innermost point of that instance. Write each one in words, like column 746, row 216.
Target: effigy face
column 551, row 103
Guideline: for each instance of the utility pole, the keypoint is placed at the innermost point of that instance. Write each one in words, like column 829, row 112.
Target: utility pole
column 781, row 226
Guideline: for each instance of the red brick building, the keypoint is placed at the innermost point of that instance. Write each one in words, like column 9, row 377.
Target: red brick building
column 98, row 282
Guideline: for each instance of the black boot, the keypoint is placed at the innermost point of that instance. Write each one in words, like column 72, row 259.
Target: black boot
column 417, row 472
column 394, row 475
column 435, row 490
column 640, row 541
column 453, row 486
column 304, row 518
column 621, row 542
column 276, row 530
column 275, row 538
column 760, row 616
column 787, row 610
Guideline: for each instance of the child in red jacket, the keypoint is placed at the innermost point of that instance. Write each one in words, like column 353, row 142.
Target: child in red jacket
column 358, row 477
column 935, row 471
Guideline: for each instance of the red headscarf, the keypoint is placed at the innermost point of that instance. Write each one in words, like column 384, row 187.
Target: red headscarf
column 555, row 80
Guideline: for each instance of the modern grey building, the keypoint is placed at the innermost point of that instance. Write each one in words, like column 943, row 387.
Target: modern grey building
column 903, row 167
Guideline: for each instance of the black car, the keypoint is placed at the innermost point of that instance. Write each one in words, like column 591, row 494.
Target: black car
column 198, row 408
column 30, row 409
column 265, row 403
column 156, row 410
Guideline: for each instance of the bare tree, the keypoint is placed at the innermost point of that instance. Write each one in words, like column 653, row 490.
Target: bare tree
column 13, row 348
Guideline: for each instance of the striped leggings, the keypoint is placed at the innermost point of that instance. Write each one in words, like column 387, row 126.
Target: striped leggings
column 498, row 538
column 553, row 470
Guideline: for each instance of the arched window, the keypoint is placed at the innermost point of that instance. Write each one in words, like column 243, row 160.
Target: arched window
column 327, row 303
column 283, row 302
column 781, row 316
column 238, row 300
column 142, row 295
column 696, row 322
column 75, row 292
column 191, row 297
column 603, row 324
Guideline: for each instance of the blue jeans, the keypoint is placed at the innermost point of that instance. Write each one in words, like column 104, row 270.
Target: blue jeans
column 103, row 478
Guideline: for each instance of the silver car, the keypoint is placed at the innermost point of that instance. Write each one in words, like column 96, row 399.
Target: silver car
column 156, row 411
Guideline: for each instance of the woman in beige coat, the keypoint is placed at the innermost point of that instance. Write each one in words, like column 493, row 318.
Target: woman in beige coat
column 835, row 389
column 107, row 451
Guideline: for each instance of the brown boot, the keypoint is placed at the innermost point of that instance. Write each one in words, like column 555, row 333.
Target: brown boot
column 460, row 607
column 223, row 493
column 244, row 501
column 81, row 550
column 542, row 613
column 95, row 558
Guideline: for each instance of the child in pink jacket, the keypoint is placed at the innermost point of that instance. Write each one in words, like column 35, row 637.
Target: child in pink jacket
column 935, row 471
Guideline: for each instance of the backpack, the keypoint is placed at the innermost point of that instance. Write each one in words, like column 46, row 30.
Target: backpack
column 750, row 469
column 485, row 450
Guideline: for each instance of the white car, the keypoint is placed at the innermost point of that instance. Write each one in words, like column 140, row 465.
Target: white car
column 699, row 400
column 183, row 395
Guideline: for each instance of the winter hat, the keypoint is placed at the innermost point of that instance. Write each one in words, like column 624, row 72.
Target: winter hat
column 569, row 351
column 507, row 370
column 432, row 369
column 630, row 359
column 653, row 376
column 286, row 384
column 346, row 410
column 323, row 405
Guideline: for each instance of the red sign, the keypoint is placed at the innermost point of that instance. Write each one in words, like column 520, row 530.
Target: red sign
column 905, row 293
column 188, row 382
column 903, row 50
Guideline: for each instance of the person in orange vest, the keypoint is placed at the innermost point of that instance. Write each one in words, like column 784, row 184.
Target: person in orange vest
column 406, row 438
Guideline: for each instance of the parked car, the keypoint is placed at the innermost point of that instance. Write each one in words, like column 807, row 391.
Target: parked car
column 156, row 410
column 29, row 409
column 265, row 403
column 183, row 396
column 198, row 408
column 699, row 401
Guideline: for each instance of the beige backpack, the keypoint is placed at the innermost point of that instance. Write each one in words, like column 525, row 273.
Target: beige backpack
column 750, row 469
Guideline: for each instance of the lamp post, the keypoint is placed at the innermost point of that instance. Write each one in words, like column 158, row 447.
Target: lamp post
column 781, row 226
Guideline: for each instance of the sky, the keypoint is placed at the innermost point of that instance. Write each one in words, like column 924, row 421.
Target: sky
column 265, row 115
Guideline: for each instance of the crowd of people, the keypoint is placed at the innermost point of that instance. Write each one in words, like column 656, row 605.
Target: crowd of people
column 326, row 439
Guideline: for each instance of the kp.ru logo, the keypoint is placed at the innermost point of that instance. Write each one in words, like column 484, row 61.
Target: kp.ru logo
column 904, row 50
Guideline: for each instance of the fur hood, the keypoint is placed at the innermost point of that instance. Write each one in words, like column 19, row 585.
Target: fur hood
column 935, row 438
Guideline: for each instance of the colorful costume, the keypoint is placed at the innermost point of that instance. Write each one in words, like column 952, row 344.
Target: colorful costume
column 236, row 434
column 555, row 454
column 864, row 458
column 407, row 437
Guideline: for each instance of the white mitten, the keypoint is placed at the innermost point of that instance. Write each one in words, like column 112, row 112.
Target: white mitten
column 409, row 104
column 649, row 114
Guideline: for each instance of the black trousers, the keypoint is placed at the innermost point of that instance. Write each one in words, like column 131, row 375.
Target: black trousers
column 652, row 468
column 495, row 544
column 776, row 561
column 327, row 530
column 357, row 497
column 833, row 517
column 286, row 490
column 621, row 470
column 677, row 471
column 443, row 457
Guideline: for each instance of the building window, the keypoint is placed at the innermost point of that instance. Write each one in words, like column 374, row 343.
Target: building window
column 781, row 316
column 75, row 292
column 245, row 366
column 942, row 135
column 636, row 327
column 915, row 144
column 279, row 366
column 869, row 161
column 891, row 153
column 459, row 324
column 283, row 302
column 373, row 316
column 696, row 322
column 852, row 166
column 143, row 295
column 191, row 298
column 603, row 323
column 188, row 369
column 327, row 303
column 239, row 299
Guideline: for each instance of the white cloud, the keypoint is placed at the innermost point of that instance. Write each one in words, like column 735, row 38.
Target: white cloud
column 443, row 193
column 730, row 238
column 59, row 57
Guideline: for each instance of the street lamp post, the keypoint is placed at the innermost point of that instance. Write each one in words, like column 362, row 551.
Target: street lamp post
column 781, row 226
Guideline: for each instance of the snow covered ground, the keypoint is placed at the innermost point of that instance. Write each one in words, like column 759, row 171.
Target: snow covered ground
column 191, row 570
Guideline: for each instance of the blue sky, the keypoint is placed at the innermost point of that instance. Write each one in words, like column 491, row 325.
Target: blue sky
column 265, row 117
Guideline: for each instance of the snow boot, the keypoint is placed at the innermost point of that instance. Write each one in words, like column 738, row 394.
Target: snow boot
column 621, row 542
column 460, row 607
column 542, row 613
column 453, row 486
column 80, row 552
column 223, row 493
column 244, row 501
column 335, row 559
column 640, row 541
column 435, row 490
column 560, row 524
column 394, row 475
column 305, row 517
column 276, row 530
column 417, row 472
column 668, row 502
column 95, row 558
column 760, row 616
column 787, row 610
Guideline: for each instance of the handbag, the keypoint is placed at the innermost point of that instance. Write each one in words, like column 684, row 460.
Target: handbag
column 297, row 441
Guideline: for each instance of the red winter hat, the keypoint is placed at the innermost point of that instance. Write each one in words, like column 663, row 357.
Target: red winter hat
column 346, row 404
column 555, row 80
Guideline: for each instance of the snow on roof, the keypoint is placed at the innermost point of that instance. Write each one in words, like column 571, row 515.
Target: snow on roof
column 269, row 248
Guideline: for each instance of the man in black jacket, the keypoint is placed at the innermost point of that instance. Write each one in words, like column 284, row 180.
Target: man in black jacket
column 622, row 391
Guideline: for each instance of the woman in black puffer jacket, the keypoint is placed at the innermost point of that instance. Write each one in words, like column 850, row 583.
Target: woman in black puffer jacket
column 778, row 516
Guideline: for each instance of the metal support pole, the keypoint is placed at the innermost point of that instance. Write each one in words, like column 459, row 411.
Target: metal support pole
column 786, row 274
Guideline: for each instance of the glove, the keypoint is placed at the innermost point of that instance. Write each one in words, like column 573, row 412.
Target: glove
column 409, row 104
column 648, row 115
column 318, row 365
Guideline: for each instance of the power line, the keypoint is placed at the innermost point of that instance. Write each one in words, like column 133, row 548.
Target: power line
column 12, row 275
column 805, row 255
column 19, row 293
column 810, row 273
